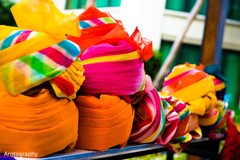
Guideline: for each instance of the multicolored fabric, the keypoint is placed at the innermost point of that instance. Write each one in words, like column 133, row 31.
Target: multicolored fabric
column 172, row 120
column 95, row 22
column 104, row 122
column 100, row 27
column 37, row 51
column 41, row 124
column 181, row 135
column 68, row 83
column 94, row 25
column 149, row 120
column 112, row 69
column 26, row 68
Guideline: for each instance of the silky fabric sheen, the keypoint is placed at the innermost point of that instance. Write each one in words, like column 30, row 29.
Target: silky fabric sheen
column 104, row 122
column 112, row 69
column 40, row 124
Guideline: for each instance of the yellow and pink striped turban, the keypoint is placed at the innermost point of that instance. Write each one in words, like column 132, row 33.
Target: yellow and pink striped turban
column 112, row 69
column 104, row 122
column 192, row 86
column 37, row 51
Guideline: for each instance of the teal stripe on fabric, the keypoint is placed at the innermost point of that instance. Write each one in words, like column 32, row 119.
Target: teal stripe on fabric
column 184, row 115
column 163, row 119
column 70, row 47
column 180, row 139
column 8, row 41
column 84, row 25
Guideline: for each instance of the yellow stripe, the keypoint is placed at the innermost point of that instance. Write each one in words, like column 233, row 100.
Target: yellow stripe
column 6, row 30
column 26, row 47
column 196, row 90
column 122, row 57
column 153, row 135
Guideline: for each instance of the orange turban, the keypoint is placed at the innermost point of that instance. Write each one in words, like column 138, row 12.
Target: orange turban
column 41, row 124
column 104, row 122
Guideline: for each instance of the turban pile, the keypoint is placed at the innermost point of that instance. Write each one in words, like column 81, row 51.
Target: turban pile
column 42, row 124
column 104, row 122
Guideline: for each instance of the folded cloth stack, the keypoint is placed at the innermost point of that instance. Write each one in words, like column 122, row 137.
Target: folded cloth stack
column 41, row 124
column 32, row 54
column 149, row 120
column 196, row 88
column 104, row 122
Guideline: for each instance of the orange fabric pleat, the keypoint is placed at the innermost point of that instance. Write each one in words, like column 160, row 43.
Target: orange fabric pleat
column 104, row 122
column 40, row 124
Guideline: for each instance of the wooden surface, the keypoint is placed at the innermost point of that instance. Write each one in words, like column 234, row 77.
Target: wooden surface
column 213, row 32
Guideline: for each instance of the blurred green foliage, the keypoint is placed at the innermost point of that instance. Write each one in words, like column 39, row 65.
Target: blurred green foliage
column 5, row 13
column 153, row 65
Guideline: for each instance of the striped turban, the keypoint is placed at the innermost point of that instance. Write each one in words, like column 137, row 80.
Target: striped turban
column 149, row 120
column 194, row 87
column 41, row 124
column 112, row 69
column 37, row 51
column 104, row 122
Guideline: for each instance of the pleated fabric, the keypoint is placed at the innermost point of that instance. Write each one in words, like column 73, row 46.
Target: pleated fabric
column 149, row 121
column 112, row 69
column 181, row 137
column 69, row 82
column 41, row 124
column 104, row 122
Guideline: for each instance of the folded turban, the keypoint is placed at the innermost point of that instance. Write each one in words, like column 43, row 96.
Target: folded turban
column 192, row 86
column 34, row 52
column 149, row 120
column 40, row 124
column 112, row 69
column 104, row 122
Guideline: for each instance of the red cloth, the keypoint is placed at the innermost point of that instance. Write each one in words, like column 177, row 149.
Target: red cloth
column 231, row 149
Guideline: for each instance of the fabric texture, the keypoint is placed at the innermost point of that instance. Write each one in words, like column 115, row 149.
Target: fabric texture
column 149, row 120
column 112, row 69
column 69, row 82
column 104, row 122
column 40, row 124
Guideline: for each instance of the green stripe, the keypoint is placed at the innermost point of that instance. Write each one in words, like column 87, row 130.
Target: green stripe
column 40, row 67
column 108, row 19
